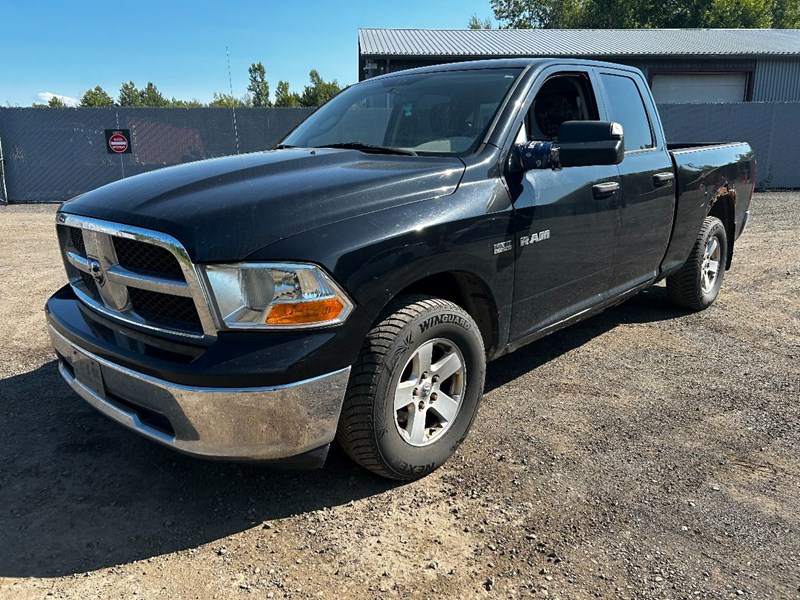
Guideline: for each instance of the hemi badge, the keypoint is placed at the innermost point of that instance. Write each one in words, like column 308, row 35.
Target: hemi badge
column 503, row 247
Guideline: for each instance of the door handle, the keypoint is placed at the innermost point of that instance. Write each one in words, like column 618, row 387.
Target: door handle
column 605, row 189
column 665, row 178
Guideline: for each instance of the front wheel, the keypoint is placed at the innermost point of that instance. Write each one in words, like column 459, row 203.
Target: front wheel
column 696, row 285
column 414, row 390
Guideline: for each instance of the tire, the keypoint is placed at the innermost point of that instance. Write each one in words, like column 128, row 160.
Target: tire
column 394, row 367
column 695, row 286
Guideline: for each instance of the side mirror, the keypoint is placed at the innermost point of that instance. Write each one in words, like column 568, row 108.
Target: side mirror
column 585, row 143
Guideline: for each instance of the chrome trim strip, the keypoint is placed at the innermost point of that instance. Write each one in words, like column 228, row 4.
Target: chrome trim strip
column 77, row 261
column 126, row 277
column 265, row 423
column 119, row 277
column 131, row 318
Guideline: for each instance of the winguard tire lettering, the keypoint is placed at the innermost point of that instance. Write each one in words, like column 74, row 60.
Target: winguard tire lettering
column 370, row 430
column 444, row 318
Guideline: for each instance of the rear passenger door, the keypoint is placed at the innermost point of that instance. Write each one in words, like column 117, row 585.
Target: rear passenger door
column 646, row 204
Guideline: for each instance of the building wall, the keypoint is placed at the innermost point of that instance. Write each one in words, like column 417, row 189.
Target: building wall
column 653, row 67
column 650, row 65
column 777, row 80
column 771, row 79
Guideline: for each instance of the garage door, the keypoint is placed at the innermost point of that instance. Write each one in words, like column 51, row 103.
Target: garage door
column 699, row 87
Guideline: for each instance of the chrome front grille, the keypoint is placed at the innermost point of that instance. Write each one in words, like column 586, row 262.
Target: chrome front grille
column 146, row 258
column 142, row 277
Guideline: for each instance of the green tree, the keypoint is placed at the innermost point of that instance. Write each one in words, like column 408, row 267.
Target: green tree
column 129, row 95
column 222, row 100
column 786, row 14
column 319, row 91
column 56, row 102
column 176, row 103
column 525, row 14
column 151, row 96
column 604, row 14
column 476, row 23
column 744, row 13
column 259, row 86
column 96, row 97
column 286, row 98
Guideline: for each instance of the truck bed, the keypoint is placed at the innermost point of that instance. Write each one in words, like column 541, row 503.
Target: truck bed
column 704, row 171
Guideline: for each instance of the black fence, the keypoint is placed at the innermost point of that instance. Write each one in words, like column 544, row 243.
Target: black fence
column 54, row 154
column 769, row 127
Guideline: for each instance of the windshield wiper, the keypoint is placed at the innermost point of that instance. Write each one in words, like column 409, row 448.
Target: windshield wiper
column 284, row 146
column 369, row 148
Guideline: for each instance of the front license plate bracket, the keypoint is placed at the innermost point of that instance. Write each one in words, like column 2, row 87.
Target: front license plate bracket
column 88, row 372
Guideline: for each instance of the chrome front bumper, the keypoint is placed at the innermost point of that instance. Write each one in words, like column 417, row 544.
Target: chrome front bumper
column 265, row 423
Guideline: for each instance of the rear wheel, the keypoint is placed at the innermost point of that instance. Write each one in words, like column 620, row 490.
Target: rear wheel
column 414, row 390
column 696, row 285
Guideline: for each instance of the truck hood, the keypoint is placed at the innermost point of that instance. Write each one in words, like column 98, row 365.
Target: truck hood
column 225, row 209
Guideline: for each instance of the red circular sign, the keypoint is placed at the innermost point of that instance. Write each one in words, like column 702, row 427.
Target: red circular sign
column 118, row 143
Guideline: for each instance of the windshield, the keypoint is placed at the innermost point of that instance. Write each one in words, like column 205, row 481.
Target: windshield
column 445, row 113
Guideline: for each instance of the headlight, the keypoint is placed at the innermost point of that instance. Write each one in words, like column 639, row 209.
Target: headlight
column 276, row 296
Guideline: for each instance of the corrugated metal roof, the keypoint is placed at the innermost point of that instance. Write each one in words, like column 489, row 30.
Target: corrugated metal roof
column 578, row 42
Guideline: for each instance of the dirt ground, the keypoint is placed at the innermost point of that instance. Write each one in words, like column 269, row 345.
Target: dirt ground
column 646, row 453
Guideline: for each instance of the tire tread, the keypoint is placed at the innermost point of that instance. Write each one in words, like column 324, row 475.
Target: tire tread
column 683, row 287
column 356, row 430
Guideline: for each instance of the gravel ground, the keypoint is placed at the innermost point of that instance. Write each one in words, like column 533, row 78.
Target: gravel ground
column 645, row 453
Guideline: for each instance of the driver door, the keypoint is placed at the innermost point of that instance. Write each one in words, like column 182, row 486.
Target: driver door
column 565, row 222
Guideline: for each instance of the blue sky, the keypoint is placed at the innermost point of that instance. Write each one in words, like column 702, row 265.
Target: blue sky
column 65, row 48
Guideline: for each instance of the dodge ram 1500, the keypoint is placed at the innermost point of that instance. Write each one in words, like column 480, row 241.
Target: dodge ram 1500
column 352, row 283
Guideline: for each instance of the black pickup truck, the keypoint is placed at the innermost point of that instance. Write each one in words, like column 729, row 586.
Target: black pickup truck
column 352, row 283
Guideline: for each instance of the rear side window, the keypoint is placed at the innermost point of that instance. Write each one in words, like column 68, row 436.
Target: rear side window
column 627, row 108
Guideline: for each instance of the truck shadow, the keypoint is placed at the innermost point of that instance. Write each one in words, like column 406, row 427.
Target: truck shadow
column 80, row 493
column 648, row 306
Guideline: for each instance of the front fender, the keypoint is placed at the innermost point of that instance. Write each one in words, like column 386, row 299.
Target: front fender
column 375, row 256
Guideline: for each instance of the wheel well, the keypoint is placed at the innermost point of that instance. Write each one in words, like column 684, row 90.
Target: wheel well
column 724, row 208
column 468, row 291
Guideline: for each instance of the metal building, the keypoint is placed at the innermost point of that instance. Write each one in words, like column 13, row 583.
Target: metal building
column 682, row 65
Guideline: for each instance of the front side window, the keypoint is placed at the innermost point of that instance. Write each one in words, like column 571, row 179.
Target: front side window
column 627, row 108
column 563, row 97
column 446, row 113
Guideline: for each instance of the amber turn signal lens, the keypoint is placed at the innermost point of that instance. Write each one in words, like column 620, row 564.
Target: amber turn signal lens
column 302, row 313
